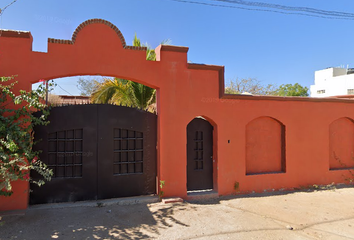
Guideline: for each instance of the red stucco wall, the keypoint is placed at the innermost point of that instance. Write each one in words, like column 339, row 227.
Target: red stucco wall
column 265, row 139
column 341, row 144
column 185, row 91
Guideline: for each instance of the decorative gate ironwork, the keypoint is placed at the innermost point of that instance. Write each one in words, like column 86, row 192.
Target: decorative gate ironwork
column 97, row 152
column 199, row 155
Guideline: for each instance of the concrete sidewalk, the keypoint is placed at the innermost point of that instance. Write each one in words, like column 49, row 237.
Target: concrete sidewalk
column 297, row 215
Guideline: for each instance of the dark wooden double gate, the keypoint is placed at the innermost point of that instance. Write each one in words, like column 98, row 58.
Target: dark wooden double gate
column 97, row 152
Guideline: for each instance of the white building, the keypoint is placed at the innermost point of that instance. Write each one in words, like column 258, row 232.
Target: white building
column 333, row 82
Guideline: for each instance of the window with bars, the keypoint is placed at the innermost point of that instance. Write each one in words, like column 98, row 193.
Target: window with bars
column 128, row 152
column 198, row 150
column 65, row 153
column 321, row 91
column 350, row 91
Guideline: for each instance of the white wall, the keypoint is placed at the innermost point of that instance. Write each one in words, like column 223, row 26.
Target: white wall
column 334, row 81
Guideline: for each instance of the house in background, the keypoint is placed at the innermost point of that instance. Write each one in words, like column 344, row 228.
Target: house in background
column 67, row 100
column 330, row 82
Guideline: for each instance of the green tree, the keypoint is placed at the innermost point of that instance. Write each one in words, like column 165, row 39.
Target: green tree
column 125, row 92
column 17, row 157
column 292, row 90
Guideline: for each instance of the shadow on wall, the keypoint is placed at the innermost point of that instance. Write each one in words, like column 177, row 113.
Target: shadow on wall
column 108, row 222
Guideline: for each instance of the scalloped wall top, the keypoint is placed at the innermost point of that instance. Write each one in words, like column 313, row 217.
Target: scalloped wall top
column 96, row 21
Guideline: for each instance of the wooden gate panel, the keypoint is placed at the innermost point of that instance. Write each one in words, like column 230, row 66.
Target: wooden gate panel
column 68, row 147
column 126, row 152
column 97, row 152
column 199, row 155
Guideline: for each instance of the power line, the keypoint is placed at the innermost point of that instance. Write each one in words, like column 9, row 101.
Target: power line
column 4, row 8
column 289, row 8
column 2, row 11
column 62, row 88
column 282, row 9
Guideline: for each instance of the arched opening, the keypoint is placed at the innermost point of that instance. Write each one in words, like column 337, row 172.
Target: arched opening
column 265, row 146
column 87, row 89
column 341, row 144
column 199, row 155
column 96, row 151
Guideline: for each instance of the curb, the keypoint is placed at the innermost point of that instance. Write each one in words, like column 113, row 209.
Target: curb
column 100, row 203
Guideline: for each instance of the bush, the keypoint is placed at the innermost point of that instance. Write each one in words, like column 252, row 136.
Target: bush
column 17, row 157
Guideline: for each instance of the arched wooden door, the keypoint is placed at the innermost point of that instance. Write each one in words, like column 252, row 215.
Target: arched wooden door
column 199, row 155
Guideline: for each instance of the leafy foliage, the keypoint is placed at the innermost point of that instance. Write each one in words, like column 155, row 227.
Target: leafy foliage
column 292, row 90
column 162, row 185
column 254, row 87
column 125, row 92
column 17, row 157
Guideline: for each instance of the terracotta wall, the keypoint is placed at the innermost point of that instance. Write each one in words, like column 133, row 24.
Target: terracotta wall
column 263, row 143
column 341, row 144
column 265, row 146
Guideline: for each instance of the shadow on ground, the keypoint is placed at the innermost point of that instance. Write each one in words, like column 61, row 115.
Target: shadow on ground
column 305, row 189
column 107, row 222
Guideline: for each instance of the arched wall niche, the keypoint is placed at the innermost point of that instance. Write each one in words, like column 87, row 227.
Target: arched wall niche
column 341, row 144
column 265, row 146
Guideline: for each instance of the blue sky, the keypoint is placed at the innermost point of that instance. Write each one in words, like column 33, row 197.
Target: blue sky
column 274, row 48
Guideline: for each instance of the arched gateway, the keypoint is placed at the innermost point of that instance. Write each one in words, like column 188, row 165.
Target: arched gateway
column 97, row 47
column 184, row 91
